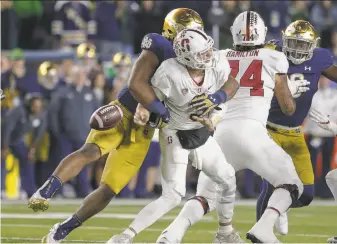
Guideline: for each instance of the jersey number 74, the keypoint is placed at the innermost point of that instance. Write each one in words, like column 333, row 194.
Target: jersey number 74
column 251, row 77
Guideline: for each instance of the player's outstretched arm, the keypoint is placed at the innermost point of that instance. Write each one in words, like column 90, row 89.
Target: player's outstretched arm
column 141, row 73
column 331, row 73
column 283, row 95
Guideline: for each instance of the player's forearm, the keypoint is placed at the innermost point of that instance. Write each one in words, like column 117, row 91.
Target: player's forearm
column 230, row 87
column 139, row 82
column 283, row 95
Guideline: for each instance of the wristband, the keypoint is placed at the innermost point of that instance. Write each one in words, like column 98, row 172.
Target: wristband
column 157, row 107
column 219, row 97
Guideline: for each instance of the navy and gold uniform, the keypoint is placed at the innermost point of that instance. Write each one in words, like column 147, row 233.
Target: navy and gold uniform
column 286, row 130
column 306, row 62
column 131, row 141
column 128, row 143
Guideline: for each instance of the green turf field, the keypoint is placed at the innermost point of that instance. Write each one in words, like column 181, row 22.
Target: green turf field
column 21, row 225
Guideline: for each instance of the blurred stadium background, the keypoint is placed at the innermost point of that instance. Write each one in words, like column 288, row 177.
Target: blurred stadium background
column 94, row 44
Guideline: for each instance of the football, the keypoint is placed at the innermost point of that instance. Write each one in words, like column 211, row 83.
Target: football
column 106, row 117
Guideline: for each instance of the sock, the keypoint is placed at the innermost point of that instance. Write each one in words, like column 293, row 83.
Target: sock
column 225, row 228
column 50, row 187
column 130, row 231
column 278, row 203
column 331, row 181
column 190, row 214
column 66, row 227
column 151, row 213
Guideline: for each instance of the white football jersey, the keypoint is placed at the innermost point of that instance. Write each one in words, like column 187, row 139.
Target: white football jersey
column 255, row 70
column 173, row 85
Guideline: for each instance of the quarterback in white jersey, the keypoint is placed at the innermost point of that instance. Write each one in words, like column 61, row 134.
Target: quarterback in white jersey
column 197, row 70
column 242, row 133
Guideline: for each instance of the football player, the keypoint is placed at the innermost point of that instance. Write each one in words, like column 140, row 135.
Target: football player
column 242, row 134
column 125, row 146
column 306, row 62
column 331, row 178
column 197, row 70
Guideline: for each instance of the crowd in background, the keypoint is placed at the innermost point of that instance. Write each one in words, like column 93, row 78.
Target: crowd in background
column 48, row 103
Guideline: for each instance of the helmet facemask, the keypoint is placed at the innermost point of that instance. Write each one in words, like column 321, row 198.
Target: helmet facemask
column 204, row 59
column 298, row 50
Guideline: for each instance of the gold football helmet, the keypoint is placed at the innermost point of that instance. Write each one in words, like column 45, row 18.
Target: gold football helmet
column 299, row 41
column 86, row 50
column 47, row 75
column 121, row 59
column 179, row 19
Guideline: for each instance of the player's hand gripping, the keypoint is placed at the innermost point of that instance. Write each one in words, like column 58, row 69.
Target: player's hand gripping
column 323, row 121
column 297, row 87
column 141, row 116
column 204, row 104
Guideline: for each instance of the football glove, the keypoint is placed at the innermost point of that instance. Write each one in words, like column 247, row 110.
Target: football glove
column 297, row 87
column 323, row 121
column 158, row 121
column 203, row 104
column 207, row 122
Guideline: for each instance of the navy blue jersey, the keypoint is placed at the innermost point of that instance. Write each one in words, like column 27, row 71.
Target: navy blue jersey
column 309, row 70
column 163, row 49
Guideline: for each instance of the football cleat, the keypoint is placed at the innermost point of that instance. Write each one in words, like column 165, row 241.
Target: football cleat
column 38, row 203
column 261, row 234
column 233, row 237
column 332, row 239
column 121, row 238
column 50, row 237
column 282, row 224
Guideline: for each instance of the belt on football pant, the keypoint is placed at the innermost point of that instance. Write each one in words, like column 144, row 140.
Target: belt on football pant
column 283, row 129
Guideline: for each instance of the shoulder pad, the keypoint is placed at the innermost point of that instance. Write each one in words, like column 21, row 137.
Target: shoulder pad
column 270, row 46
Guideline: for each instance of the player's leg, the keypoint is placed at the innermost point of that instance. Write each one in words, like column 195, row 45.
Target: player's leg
column 173, row 169
column 98, row 143
column 206, row 200
column 331, row 181
column 294, row 144
column 121, row 166
column 270, row 161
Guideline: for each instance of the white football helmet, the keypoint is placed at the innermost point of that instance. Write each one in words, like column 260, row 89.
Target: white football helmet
column 194, row 48
column 248, row 29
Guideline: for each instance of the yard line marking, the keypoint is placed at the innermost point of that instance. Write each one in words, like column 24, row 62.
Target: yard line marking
column 39, row 239
column 142, row 202
column 60, row 215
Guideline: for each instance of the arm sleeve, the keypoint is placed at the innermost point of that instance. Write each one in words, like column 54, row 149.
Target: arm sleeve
column 161, row 83
column 151, row 42
column 10, row 121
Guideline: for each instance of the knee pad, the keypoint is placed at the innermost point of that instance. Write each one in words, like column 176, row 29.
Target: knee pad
column 293, row 190
column 203, row 202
